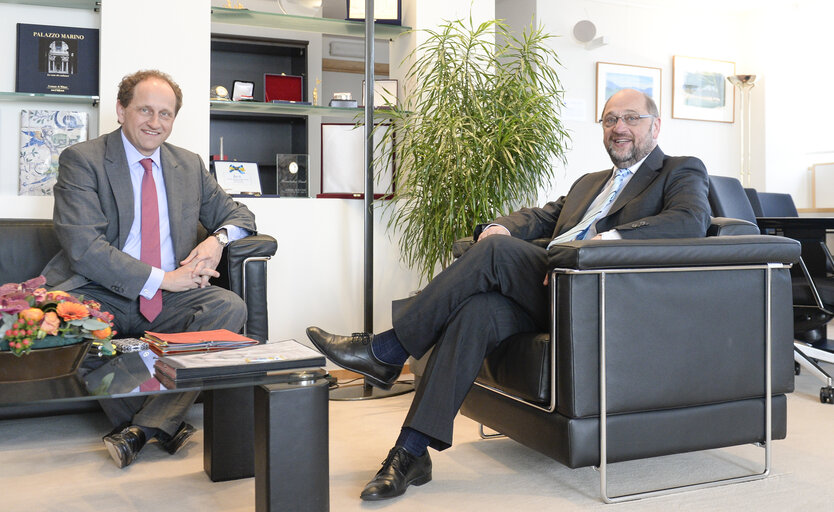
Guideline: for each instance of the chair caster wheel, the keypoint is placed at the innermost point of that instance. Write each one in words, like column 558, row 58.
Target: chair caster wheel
column 796, row 368
column 827, row 395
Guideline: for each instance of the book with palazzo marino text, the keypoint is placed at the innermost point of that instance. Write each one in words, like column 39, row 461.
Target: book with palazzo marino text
column 262, row 358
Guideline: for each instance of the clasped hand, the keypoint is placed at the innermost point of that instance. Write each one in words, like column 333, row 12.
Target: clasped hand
column 196, row 269
column 501, row 230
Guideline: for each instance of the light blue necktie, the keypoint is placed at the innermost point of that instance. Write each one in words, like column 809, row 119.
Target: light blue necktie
column 600, row 204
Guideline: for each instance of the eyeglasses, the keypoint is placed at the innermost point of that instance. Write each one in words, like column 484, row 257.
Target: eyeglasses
column 630, row 119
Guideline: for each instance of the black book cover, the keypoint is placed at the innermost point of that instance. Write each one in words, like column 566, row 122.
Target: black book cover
column 57, row 60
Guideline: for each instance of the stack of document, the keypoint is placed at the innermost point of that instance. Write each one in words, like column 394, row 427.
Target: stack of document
column 164, row 344
column 279, row 355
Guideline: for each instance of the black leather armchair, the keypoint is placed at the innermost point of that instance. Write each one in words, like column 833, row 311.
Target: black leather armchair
column 29, row 244
column 656, row 347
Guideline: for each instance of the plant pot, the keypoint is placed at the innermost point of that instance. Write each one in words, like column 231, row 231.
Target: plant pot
column 45, row 363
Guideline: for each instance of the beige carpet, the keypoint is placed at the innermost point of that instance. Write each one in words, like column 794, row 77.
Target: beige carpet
column 59, row 464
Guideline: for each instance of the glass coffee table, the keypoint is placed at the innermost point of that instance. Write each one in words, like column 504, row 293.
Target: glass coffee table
column 271, row 425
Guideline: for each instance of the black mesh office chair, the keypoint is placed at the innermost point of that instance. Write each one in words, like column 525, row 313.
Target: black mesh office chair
column 813, row 286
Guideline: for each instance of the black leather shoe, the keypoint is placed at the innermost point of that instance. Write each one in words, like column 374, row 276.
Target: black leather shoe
column 172, row 444
column 124, row 446
column 354, row 353
column 399, row 470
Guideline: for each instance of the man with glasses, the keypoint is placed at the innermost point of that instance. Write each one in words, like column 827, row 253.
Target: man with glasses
column 496, row 288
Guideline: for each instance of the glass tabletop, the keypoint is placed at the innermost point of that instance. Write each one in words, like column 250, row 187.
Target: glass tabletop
column 132, row 374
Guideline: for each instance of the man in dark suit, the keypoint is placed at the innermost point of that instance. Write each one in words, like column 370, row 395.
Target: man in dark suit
column 496, row 288
column 128, row 207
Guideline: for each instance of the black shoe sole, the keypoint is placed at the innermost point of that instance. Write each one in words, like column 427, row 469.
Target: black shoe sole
column 422, row 480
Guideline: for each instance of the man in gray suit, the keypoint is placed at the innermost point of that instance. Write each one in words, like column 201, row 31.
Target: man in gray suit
column 128, row 207
column 496, row 288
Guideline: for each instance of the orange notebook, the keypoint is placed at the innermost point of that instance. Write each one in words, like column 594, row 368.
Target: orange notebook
column 168, row 343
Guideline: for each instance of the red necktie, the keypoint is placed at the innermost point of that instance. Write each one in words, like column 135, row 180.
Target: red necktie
column 149, row 253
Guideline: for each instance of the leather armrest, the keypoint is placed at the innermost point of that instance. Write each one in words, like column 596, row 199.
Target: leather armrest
column 678, row 252
column 253, row 288
column 726, row 226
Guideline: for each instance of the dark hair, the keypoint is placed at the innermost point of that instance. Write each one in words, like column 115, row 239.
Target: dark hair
column 129, row 83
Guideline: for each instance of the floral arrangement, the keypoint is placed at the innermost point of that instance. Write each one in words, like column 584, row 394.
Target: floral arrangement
column 33, row 317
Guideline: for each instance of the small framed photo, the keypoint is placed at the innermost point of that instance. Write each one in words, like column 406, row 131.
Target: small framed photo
column 238, row 177
column 613, row 77
column 385, row 11
column 243, row 91
column 700, row 89
column 385, row 93
column 343, row 162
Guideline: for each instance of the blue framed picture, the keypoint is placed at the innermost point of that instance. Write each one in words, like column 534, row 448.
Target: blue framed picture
column 700, row 89
column 613, row 77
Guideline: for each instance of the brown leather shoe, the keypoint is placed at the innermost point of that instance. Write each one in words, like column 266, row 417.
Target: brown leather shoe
column 124, row 446
column 399, row 470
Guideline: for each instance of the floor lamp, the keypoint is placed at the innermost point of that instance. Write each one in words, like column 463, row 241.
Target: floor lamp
column 744, row 83
column 365, row 391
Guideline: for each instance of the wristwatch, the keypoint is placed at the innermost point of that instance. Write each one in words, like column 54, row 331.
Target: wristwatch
column 222, row 238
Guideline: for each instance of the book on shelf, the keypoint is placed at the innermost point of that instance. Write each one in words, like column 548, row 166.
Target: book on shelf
column 164, row 344
column 44, row 134
column 266, row 357
column 57, row 60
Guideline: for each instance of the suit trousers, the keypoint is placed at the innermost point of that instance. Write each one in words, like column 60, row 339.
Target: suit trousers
column 493, row 291
column 200, row 309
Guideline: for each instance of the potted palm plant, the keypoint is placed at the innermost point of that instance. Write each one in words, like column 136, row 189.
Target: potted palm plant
column 476, row 135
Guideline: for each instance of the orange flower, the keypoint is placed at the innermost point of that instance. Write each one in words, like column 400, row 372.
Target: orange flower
column 72, row 311
column 102, row 334
column 50, row 323
column 33, row 314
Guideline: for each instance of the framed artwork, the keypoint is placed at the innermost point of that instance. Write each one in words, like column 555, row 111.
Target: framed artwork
column 385, row 93
column 700, row 89
column 238, row 177
column 342, row 162
column 385, row 11
column 613, row 77
column 822, row 182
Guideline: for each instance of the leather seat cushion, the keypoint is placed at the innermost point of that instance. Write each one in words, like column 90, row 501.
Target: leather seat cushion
column 520, row 366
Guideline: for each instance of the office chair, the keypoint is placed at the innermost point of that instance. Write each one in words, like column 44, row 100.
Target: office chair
column 813, row 287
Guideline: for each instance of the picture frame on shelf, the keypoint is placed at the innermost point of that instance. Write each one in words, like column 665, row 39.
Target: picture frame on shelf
column 385, row 11
column 612, row 77
column 237, row 177
column 243, row 91
column 385, row 93
column 822, row 181
column 342, row 162
column 292, row 175
column 700, row 90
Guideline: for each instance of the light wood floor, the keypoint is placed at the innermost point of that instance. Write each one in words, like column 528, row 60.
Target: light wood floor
column 60, row 464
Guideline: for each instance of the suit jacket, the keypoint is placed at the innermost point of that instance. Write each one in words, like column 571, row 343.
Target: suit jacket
column 666, row 198
column 94, row 211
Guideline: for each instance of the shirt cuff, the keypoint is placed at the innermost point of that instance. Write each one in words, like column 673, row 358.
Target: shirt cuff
column 612, row 234
column 153, row 283
column 235, row 232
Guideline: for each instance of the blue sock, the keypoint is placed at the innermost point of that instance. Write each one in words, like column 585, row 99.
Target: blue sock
column 388, row 349
column 413, row 442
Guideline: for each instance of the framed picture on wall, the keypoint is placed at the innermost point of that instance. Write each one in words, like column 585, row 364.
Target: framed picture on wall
column 342, row 162
column 613, row 77
column 700, row 89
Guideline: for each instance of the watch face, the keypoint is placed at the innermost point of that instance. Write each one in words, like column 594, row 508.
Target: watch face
column 223, row 239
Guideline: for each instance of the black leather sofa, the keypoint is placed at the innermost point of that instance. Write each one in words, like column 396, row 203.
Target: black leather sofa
column 28, row 244
column 683, row 324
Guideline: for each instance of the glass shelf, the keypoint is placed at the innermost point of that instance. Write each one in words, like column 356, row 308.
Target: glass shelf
column 257, row 107
column 303, row 23
column 54, row 98
column 74, row 4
